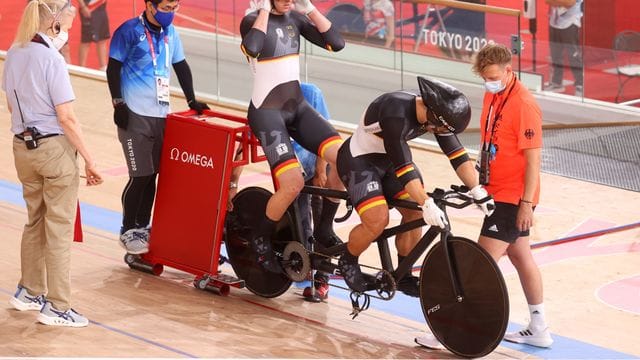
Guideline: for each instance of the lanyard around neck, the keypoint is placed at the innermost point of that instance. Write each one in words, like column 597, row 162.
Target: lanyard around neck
column 486, row 145
column 152, row 48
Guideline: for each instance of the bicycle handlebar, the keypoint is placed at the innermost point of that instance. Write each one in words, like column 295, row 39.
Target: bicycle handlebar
column 440, row 196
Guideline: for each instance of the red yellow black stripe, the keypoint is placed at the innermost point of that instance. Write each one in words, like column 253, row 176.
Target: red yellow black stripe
column 456, row 154
column 368, row 204
column 328, row 143
column 405, row 169
column 403, row 195
column 289, row 164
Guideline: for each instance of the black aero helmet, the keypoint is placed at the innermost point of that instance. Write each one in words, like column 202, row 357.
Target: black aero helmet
column 449, row 105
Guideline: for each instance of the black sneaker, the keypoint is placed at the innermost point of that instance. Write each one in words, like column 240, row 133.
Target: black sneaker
column 409, row 285
column 265, row 256
column 350, row 271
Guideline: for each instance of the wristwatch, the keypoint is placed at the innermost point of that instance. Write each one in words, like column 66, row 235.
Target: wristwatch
column 117, row 101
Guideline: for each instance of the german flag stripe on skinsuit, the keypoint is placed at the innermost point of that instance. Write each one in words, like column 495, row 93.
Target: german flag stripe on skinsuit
column 404, row 170
column 366, row 205
column 457, row 154
column 403, row 195
column 289, row 164
column 327, row 143
column 279, row 58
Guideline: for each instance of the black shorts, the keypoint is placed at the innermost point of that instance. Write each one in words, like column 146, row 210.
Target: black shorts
column 501, row 224
column 370, row 179
column 96, row 27
column 274, row 127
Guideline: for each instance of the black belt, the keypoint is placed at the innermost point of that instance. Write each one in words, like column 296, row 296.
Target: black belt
column 19, row 136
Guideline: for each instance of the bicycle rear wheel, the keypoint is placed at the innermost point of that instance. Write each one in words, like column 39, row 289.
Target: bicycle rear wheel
column 475, row 325
column 248, row 211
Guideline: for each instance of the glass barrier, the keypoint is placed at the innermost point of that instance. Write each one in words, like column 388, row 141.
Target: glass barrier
column 594, row 60
column 611, row 52
column 393, row 39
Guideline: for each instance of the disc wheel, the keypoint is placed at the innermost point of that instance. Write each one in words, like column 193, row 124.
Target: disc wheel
column 248, row 212
column 474, row 324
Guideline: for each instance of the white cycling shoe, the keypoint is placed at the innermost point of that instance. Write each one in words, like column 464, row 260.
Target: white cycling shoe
column 429, row 341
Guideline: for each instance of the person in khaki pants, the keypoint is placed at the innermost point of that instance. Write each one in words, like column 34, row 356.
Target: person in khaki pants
column 47, row 140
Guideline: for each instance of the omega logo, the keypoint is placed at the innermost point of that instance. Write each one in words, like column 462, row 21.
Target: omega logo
column 191, row 158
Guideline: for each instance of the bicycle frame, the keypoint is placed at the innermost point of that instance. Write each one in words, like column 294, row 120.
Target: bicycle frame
column 462, row 292
column 383, row 240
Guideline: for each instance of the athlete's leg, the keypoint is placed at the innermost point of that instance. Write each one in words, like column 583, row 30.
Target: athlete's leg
column 289, row 182
column 374, row 220
column 364, row 186
column 315, row 134
column 269, row 126
column 323, row 232
column 405, row 242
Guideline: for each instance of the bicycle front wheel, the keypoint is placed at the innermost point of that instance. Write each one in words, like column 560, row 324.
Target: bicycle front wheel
column 473, row 324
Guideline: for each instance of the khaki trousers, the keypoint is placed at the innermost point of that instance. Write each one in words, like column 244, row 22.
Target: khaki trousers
column 50, row 177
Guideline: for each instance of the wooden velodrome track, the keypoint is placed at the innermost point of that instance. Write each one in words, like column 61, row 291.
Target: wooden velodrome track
column 592, row 286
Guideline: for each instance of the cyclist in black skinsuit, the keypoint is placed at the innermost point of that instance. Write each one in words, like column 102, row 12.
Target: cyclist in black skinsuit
column 375, row 164
column 271, row 42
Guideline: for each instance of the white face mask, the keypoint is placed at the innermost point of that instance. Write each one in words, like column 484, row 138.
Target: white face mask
column 494, row 87
column 60, row 40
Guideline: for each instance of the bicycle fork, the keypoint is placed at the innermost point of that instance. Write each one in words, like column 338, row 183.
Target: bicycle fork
column 455, row 283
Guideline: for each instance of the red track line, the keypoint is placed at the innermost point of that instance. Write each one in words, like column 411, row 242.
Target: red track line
column 586, row 235
column 576, row 237
column 332, row 328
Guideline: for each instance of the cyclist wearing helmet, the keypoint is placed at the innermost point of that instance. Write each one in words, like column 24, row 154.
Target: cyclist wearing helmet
column 375, row 164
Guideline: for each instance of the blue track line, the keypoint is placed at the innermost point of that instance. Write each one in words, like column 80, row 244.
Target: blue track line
column 402, row 306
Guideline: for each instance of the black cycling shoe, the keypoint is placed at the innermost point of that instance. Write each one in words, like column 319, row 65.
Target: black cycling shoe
column 325, row 241
column 265, row 256
column 350, row 271
column 409, row 285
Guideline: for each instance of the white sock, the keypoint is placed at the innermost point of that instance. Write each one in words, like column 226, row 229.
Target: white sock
column 538, row 322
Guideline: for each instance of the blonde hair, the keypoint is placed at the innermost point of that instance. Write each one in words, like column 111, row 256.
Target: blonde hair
column 34, row 17
column 491, row 54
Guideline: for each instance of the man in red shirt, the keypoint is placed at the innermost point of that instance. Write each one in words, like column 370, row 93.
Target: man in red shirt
column 511, row 142
column 509, row 167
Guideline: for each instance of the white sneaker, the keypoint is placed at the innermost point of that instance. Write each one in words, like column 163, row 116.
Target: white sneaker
column 50, row 316
column 135, row 241
column 429, row 341
column 24, row 301
column 527, row 336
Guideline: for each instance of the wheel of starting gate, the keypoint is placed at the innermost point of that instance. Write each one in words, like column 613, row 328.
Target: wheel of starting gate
column 474, row 324
column 248, row 211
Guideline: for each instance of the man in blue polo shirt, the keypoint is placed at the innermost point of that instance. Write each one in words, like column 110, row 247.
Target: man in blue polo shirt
column 143, row 50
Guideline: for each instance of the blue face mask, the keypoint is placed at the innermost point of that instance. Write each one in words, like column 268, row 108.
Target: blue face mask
column 494, row 87
column 163, row 18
